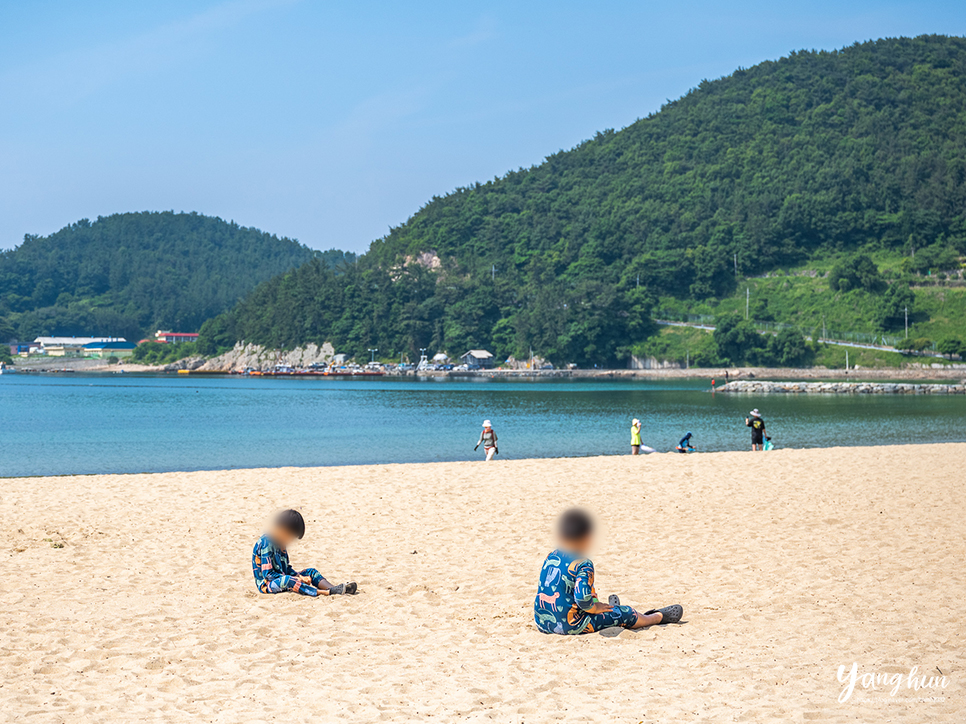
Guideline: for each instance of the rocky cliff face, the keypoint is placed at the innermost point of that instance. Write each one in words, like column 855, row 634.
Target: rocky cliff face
column 653, row 363
column 255, row 356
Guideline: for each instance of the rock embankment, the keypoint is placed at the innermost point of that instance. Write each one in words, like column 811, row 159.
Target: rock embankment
column 843, row 388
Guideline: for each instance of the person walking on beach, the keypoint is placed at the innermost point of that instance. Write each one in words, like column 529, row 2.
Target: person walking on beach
column 636, row 446
column 488, row 440
column 757, row 425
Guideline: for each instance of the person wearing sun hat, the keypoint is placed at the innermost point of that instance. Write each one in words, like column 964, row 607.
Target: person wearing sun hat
column 488, row 440
column 757, row 425
column 636, row 437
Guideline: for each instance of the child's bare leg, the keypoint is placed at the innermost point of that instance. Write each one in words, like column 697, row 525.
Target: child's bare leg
column 648, row 619
column 317, row 580
column 323, row 585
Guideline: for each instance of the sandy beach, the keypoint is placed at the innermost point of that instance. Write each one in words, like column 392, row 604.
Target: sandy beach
column 130, row 598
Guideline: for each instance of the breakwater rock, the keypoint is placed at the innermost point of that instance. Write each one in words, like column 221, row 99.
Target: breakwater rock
column 842, row 388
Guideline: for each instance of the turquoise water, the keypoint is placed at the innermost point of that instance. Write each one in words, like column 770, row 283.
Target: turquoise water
column 62, row 424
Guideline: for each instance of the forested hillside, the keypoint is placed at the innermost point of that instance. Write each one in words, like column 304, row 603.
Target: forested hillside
column 816, row 154
column 130, row 274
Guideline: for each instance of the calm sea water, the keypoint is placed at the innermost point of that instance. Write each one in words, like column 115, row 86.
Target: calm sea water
column 66, row 424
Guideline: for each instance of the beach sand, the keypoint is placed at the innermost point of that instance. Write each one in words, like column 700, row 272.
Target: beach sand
column 788, row 563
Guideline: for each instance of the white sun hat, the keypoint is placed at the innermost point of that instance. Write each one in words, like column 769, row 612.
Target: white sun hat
column 636, row 421
column 755, row 413
column 486, row 423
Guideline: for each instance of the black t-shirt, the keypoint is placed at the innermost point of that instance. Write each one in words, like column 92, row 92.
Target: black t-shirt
column 757, row 426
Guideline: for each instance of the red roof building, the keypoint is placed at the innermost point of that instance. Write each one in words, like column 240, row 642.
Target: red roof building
column 174, row 337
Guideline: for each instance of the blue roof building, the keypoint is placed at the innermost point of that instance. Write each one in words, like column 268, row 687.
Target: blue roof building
column 109, row 349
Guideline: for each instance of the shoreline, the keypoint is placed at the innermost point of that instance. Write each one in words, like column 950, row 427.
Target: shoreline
column 721, row 374
column 725, row 374
column 657, row 454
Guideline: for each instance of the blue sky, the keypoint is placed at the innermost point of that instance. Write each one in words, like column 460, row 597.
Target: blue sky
column 330, row 122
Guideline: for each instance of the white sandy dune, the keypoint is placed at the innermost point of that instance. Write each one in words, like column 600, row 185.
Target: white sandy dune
column 788, row 563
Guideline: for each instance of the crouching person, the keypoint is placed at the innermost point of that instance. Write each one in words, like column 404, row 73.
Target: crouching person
column 567, row 602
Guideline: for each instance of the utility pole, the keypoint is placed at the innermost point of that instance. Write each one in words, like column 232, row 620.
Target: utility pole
column 846, row 360
column 747, row 300
column 823, row 327
column 687, row 360
column 736, row 265
column 907, row 322
column 493, row 273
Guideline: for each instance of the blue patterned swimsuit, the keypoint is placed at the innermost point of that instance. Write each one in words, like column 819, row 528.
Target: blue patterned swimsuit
column 566, row 592
column 274, row 573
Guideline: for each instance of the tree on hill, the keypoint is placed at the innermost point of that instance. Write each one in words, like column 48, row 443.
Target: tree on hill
column 856, row 272
column 949, row 346
column 914, row 344
column 737, row 339
column 937, row 257
column 894, row 305
column 788, row 349
column 739, row 343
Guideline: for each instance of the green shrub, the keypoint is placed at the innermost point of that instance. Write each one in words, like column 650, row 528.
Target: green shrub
column 936, row 257
column 856, row 272
column 891, row 309
column 682, row 345
column 155, row 353
column 917, row 344
column 949, row 346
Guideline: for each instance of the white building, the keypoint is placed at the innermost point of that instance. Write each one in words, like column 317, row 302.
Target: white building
column 69, row 346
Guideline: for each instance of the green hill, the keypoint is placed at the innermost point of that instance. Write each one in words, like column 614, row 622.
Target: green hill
column 787, row 164
column 130, row 274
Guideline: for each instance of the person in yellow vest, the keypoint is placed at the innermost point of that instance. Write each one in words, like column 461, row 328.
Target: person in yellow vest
column 636, row 447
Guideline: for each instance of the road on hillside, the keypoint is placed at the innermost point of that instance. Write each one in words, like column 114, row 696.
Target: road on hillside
column 837, row 343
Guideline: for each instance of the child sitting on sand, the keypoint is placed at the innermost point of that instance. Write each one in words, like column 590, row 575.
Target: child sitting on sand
column 566, row 601
column 274, row 573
